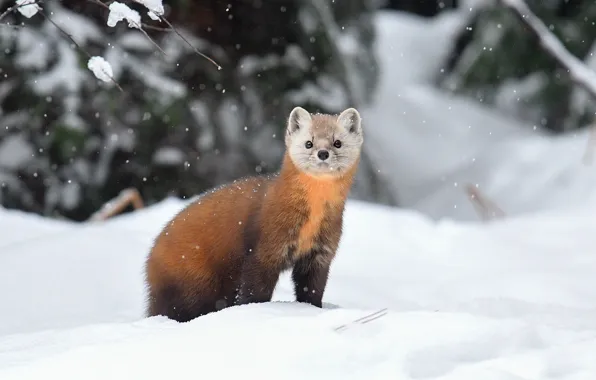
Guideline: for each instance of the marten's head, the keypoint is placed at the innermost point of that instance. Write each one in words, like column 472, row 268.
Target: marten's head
column 324, row 145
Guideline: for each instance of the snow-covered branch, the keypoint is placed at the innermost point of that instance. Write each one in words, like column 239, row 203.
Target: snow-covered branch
column 578, row 71
column 118, row 12
column 27, row 8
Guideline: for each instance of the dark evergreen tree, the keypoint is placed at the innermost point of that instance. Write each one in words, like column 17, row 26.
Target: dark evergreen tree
column 70, row 142
column 425, row 8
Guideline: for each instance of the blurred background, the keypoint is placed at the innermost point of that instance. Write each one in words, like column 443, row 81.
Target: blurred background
column 461, row 106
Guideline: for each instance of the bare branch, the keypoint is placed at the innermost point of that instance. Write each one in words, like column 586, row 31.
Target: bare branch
column 118, row 204
column 484, row 207
column 579, row 72
column 77, row 45
column 189, row 44
column 171, row 29
column 157, row 28
column 150, row 39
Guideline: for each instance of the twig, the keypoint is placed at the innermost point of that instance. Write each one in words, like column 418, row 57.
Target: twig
column 362, row 320
column 486, row 208
column 119, row 203
column 171, row 29
column 157, row 28
column 78, row 46
column 144, row 25
column 189, row 44
column 150, row 39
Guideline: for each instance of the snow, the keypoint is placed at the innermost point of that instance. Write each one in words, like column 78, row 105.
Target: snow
column 327, row 91
column 100, row 68
column 510, row 299
column 30, row 52
column 154, row 6
column 464, row 300
column 429, row 145
column 170, row 156
column 577, row 69
column 15, row 152
column 253, row 65
column 65, row 74
column 27, row 8
column 119, row 12
column 153, row 16
column 76, row 25
column 71, row 195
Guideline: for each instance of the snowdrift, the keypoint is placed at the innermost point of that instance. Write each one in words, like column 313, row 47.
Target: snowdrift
column 507, row 300
column 429, row 145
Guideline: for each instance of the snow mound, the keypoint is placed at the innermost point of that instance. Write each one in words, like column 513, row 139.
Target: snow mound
column 506, row 300
column 291, row 341
column 429, row 145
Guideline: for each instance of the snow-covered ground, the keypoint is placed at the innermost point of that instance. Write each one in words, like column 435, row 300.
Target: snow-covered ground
column 514, row 299
column 429, row 145
column 507, row 300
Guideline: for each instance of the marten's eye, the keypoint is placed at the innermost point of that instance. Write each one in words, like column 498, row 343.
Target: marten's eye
column 308, row 144
column 337, row 144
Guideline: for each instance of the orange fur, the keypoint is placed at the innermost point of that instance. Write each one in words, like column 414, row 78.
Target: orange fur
column 318, row 193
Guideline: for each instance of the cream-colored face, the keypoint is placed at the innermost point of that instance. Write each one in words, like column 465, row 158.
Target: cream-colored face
column 324, row 145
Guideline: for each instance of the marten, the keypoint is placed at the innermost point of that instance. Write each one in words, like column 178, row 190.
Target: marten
column 230, row 245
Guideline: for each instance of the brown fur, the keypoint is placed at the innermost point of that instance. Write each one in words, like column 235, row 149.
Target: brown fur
column 230, row 246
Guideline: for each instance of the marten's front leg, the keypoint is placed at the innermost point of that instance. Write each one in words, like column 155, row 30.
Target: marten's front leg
column 310, row 278
column 258, row 280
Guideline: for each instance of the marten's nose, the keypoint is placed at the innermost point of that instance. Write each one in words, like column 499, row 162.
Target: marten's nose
column 323, row 154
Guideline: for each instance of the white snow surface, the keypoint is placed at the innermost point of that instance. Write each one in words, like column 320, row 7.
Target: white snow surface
column 513, row 299
column 429, row 144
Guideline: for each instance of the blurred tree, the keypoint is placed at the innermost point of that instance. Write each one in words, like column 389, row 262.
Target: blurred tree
column 69, row 142
column 425, row 8
column 496, row 60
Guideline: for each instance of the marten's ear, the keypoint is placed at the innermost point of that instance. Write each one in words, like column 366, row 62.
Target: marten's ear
column 350, row 120
column 299, row 118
